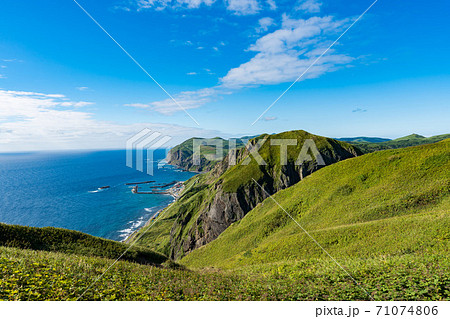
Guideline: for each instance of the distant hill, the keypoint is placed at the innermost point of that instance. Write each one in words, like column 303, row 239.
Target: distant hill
column 412, row 137
column 363, row 139
column 387, row 203
column 182, row 154
column 410, row 140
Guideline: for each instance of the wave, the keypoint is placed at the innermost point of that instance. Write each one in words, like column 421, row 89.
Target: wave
column 135, row 225
column 100, row 190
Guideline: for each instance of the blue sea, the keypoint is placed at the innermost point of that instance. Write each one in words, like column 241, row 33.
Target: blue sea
column 61, row 189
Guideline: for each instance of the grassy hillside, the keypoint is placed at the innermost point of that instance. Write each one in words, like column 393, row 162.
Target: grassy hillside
column 214, row 200
column 388, row 203
column 40, row 275
column 406, row 141
column 73, row 242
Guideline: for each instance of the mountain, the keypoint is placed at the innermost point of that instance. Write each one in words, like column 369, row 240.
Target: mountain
column 406, row 141
column 387, row 203
column 411, row 137
column 213, row 201
column 363, row 139
column 182, row 154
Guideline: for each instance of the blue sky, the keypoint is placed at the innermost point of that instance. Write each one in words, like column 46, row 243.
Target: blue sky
column 65, row 84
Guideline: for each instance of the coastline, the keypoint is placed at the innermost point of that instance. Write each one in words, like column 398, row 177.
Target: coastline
column 174, row 191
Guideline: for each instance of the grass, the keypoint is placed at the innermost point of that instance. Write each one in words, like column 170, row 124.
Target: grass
column 73, row 242
column 40, row 275
column 406, row 141
column 386, row 203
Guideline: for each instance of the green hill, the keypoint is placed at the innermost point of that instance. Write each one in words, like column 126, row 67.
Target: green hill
column 363, row 139
column 406, row 141
column 410, row 137
column 215, row 200
column 182, row 154
column 73, row 242
column 388, row 203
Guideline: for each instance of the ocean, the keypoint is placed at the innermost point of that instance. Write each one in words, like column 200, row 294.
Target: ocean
column 61, row 189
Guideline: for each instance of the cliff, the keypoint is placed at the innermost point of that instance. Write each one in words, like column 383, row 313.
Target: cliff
column 213, row 201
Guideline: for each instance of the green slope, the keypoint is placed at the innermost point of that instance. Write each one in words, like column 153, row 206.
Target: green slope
column 40, row 275
column 387, row 203
column 406, row 141
column 73, row 242
column 224, row 195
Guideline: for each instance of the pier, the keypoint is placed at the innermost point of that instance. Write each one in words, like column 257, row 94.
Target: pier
column 164, row 185
column 174, row 190
column 135, row 190
column 139, row 183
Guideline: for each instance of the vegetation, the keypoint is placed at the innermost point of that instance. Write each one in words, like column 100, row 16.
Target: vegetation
column 364, row 139
column 73, row 242
column 40, row 275
column 383, row 216
column 183, row 220
column 387, row 203
column 368, row 145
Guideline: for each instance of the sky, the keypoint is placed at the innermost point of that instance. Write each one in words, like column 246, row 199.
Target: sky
column 66, row 84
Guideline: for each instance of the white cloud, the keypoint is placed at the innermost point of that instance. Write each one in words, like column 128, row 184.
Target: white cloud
column 270, row 118
column 309, row 6
column 264, row 24
column 76, row 104
column 284, row 54
column 2, row 76
column 280, row 56
column 162, row 4
column 12, row 60
column 36, row 121
column 238, row 7
column 192, row 73
column 188, row 100
column 272, row 5
column 243, row 7
column 82, row 88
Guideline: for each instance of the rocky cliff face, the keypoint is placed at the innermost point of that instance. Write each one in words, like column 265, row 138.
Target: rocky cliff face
column 233, row 193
